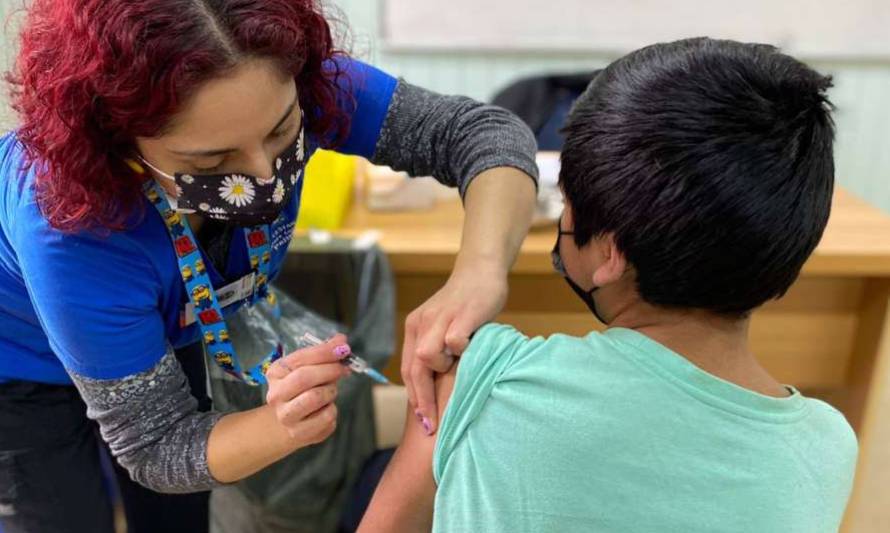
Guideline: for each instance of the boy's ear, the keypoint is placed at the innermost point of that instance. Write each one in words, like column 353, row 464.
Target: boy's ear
column 613, row 263
column 568, row 217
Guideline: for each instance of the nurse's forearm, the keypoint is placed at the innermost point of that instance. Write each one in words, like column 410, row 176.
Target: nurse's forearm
column 153, row 428
column 244, row 443
column 499, row 205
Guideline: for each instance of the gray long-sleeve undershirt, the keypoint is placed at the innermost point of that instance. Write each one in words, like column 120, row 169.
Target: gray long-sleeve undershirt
column 452, row 138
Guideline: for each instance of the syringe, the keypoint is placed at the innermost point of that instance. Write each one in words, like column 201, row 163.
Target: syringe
column 354, row 362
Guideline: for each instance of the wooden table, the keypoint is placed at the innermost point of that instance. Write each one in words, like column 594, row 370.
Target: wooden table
column 830, row 335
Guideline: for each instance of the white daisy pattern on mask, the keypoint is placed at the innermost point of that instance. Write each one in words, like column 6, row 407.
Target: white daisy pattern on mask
column 217, row 212
column 237, row 190
column 278, row 195
column 266, row 181
column 294, row 178
column 300, row 147
column 278, row 163
column 204, row 207
column 188, row 179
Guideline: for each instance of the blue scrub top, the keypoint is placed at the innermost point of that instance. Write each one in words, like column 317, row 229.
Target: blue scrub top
column 106, row 306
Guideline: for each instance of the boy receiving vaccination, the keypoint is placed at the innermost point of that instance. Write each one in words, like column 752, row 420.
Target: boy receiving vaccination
column 698, row 178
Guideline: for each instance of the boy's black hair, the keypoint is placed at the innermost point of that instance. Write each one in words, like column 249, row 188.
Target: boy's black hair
column 711, row 162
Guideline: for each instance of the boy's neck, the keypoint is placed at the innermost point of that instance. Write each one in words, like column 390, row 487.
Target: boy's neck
column 718, row 345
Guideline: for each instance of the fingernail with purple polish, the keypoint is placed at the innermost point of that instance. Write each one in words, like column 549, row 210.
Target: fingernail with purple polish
column 342, row 351
column 424, row 421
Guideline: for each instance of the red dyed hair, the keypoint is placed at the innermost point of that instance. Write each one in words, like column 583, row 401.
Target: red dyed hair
column 92, row 75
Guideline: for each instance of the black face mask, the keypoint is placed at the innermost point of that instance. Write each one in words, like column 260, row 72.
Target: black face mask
column 241, row 199
column 586, row 296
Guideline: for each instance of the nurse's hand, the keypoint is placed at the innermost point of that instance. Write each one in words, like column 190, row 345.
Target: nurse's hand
column 303, row 387
column 440, row 329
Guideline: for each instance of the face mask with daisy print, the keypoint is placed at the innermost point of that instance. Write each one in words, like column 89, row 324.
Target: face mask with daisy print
column 241, row 199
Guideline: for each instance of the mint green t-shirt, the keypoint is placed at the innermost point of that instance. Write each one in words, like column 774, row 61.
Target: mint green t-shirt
column 615, row 432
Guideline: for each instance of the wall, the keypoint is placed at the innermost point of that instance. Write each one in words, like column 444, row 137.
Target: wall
column 861, row 92
column 9, row 19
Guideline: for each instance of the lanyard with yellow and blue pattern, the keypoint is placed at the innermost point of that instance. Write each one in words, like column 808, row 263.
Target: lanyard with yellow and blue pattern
column 208, row 313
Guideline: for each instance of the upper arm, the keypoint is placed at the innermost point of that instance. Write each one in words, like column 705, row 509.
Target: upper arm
column 452, row 138
column 409, row 128
column 417, row 448
column 492, row 351
column 97, row 299
column 403, row 501
column 366, row 94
